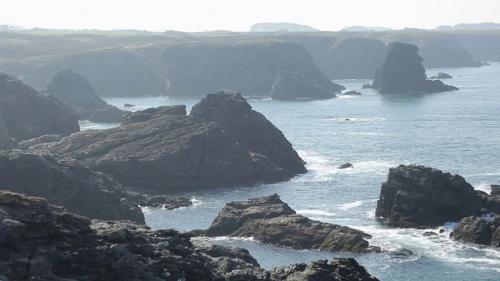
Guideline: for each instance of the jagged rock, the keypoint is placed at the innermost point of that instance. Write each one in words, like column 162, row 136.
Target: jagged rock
column 441, row 75
column 346, row 165
column 221, row 143
column 479, row 230
column 26, row 114
column 418, row 196
column 282, row 70
column 77, row 92
column 78, row 189
column 489, row 203
column 270, row 220
column 402, row 72
column 43, row 242
column 352, row 93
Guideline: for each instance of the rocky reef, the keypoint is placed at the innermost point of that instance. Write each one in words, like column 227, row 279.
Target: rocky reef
column 43, row 242
column 76, row 188
column 270, row 220
column 418, row 196
column 402, row 72
column 26, row 114
column 282, row 70
column 223, row 142
column 77, row 92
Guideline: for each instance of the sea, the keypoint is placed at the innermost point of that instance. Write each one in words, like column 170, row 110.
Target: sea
column 458, row 132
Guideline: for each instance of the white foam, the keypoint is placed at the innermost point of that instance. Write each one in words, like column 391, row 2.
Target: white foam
column 196, row 202
column 320, row 168
column 228, row 238
column 486, row 187
column 350, row 205
column 316, row 213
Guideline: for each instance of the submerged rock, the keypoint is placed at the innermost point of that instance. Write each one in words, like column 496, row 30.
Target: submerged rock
column 270, row 220
column 418, row 196
column 43, row 242
column 441, row 75
column 402, row 72
column 25, row 114
column 77, row 92
column 221, row 143
column 479, row 230
column 78, row 189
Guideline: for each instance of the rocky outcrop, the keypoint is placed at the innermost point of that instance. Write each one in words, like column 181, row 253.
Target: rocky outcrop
column 25, row 114
column 281, row 70
column 483, row 230
column 43, row 242
column 441, row 75
column 221, row 143
column 402, row 72
column 168, row 202
column 77, row 92
column 418, row 196
column 270, row 220
column 78, row 189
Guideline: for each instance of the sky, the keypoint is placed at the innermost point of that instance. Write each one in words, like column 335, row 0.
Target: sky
column 236, row 15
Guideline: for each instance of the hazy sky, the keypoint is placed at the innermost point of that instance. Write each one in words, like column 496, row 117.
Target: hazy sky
column 190, row 15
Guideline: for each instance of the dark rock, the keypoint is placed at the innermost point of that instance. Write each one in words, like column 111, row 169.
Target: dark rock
column 346, row 165
column 418, row 196
column 26, row 114
column 495, row 190
column 78, row 189
column 217, row 251
column 6, row 141
column 489, row 203
column 43, row 242
column 77, row 92
column 430, row 233
column 297, row 85
column 282, row 70
column 402, row 72
column 129, row 105
column 441, row 75
column 352, row 93
column 221, row 143
column 159, row 201
column 479, row 230
column 270, row 220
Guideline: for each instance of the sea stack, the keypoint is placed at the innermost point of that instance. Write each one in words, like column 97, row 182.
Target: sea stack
column 402, row 72
column 77, row 92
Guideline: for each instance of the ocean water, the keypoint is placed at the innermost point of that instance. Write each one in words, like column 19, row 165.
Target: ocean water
column 457, row 132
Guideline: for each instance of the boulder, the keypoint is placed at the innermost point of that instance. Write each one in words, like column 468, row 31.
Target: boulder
column 43, row 242
column 483, row 230
column 418, row 196
column 78, row 189
column 26, row 114
column 402, row 72
column 441, row 76
column 77, row 92
column 261, row 68
column 270, row 220
column 221, row 143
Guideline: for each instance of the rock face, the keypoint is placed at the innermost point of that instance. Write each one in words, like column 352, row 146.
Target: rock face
column 479, row 230
column 270, row 220
column 221, row 143
column 77, row 92
column 25, row 114
column 43, row 242
column 80, row 190
column 402, row 72
column 278, row 69
column 418, row 196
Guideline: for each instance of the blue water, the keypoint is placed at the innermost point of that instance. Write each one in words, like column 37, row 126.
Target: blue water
column 457, row 132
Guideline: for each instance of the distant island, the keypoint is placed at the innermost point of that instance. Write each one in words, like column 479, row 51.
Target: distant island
column 470, row 26
column 281, row 26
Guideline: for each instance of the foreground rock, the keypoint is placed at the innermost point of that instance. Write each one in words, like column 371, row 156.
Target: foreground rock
column 418, row 196
column 77, row 92
column 281, row 70
column 270, row 220
column 43, row 242
column 25, row 114
column 78, row 189
column 483, row 230
column 402, row 72
column 221, row 143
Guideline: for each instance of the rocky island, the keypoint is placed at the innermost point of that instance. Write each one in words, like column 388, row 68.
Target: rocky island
column 402, row 72
column 223, row 142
